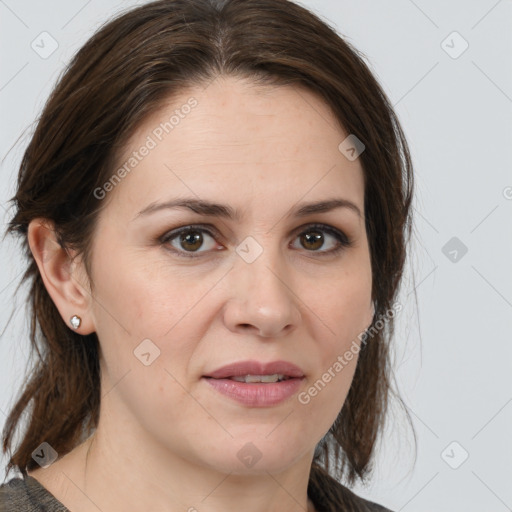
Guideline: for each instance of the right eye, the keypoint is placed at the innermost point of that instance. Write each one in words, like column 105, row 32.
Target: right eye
column 187, row 240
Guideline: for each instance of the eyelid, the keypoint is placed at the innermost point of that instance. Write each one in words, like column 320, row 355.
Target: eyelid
column 208, row 228
column 344, row 240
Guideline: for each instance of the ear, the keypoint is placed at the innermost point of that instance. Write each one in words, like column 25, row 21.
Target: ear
column 64, row 277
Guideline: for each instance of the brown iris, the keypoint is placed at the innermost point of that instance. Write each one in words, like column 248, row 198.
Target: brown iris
column 316, row 238
column 194, row 238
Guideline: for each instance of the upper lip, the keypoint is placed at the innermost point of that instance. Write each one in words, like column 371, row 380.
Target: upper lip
column 242, row 368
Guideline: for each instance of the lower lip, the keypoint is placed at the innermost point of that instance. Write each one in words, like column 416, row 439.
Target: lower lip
column 256, row 394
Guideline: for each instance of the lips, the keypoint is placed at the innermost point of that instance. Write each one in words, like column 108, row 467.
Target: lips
column 251, row 392
column 242, row 368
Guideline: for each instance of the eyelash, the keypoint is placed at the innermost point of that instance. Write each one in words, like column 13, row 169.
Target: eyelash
column 343, row 240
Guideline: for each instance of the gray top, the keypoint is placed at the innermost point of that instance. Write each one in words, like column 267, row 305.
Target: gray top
column 26, row 494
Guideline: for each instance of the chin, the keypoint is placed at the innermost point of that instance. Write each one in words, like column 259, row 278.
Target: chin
column 253, row 455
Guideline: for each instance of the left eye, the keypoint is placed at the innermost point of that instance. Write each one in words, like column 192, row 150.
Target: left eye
column 191, row 238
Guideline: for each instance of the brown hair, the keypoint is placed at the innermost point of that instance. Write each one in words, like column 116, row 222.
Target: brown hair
column 120, row 76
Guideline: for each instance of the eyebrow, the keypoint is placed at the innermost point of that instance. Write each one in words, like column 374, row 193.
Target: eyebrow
column 224, row 211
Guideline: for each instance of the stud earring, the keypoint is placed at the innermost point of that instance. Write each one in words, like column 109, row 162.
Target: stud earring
column 75, row 321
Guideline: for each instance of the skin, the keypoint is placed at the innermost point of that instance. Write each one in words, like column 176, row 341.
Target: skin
column 166, row 441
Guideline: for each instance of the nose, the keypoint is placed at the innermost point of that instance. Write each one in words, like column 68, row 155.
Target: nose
column 262, row 298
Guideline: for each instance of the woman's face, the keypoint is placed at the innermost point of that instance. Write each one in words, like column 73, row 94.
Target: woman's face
column 264, row 286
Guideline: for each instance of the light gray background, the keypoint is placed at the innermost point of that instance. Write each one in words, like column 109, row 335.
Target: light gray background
column 454, row 354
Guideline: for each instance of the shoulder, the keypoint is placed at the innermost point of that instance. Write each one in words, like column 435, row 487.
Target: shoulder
column 27, row 495
column 14, row 496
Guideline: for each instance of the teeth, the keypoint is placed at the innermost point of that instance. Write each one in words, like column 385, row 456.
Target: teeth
column 259, row 378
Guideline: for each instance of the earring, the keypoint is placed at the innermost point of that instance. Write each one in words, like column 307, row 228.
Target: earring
column 75, row 321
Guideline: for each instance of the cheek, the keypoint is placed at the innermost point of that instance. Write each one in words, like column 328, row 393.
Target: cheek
column 345, row 305
column 147, row 314
column 344, row 312
column 140, row 320
column 137, row 299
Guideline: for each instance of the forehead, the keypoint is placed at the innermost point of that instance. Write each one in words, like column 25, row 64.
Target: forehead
column 240, row 140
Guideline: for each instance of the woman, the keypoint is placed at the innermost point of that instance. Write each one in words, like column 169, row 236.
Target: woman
column 215, row 206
